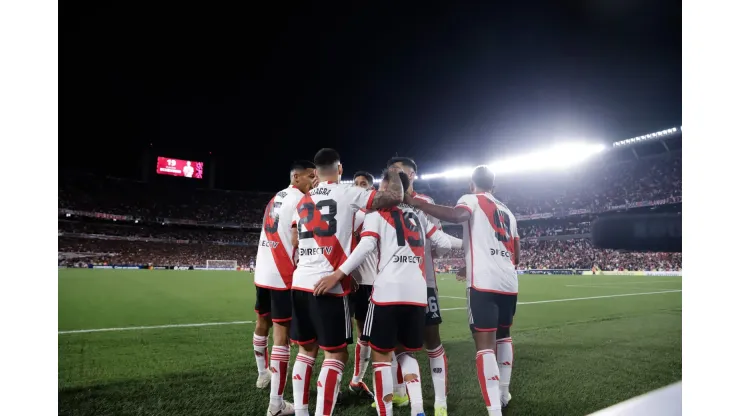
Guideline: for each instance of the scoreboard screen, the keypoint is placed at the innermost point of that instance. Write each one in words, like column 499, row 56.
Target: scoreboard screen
column 178, row 167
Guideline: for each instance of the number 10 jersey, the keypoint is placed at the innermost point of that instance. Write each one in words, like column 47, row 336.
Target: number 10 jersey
column 324, row 219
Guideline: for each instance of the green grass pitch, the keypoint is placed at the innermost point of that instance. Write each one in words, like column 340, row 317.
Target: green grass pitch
column 572, row 357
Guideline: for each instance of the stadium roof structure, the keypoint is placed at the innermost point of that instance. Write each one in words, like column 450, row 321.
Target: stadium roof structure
column 652, row 136
column 558, row 157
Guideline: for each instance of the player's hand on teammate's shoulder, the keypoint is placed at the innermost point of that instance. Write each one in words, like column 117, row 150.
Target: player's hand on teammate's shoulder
column 324, row 285
column 315, row 182
column 461, row 274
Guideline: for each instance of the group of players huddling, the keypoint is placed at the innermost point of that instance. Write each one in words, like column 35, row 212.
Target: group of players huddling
column 329, row 250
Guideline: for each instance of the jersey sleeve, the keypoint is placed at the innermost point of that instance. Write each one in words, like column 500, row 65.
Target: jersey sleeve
column 370, row 238
column 440, row 241
column 434, row 220
column 429, row 227
column 361, row 198
column 294, row 218
column 468, row 202
column 371, row 226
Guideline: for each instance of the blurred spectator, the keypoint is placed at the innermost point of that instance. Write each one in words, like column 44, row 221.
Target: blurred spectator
column 578, row 254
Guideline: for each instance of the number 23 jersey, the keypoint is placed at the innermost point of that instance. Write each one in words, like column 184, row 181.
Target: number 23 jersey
column 324, row 220
column 488, row 243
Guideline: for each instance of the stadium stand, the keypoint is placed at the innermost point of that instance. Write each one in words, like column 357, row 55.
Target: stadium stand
column 134, row 222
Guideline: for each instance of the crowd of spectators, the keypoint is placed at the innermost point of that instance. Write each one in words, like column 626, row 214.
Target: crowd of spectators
column 581, row 254
column 534, row 229
column 97, row 251
column 166, row 232
column 156, row 200
column 593, row 187
column 578, row 254
column 538, row 229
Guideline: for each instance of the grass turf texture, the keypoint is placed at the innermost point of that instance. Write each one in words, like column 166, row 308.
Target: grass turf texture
column 571, row 357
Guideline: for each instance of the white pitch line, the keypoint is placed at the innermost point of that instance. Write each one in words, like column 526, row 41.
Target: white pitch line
column 590, row 297
column 632, row 283
column 133, row 328
column 453, row 297
column 613, row 287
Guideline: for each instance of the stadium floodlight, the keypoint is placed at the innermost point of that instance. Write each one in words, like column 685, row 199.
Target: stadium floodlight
column 375, row 180
column 559, row 157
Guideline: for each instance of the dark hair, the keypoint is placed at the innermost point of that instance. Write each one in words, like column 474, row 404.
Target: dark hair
column 326, row 158
column 370, row 178
column 405, row 161
column 302, row 165
column 402, row 175
column 483, row 178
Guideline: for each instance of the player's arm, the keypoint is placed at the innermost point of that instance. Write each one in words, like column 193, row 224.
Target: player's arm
column 454, row 241
column 364, row 248
column 370, row 239
column 456, row 215
column 392, row 196
column 440, row 241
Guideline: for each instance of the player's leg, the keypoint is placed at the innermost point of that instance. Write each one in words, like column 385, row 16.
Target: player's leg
column 483, row 320
column 400, row 396
column 333, row 324
column 361, row 301
column 282, row 309
column 381, row 331
column 303, row 333
column 410, row 333
column 436, row 352
column 262, row 308
column 504, row 345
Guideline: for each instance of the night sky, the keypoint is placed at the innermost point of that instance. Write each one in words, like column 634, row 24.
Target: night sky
column 450, row 85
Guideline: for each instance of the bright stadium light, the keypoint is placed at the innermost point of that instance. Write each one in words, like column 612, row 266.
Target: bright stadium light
column 649, row 136
column 376, row 180
column 561, row 156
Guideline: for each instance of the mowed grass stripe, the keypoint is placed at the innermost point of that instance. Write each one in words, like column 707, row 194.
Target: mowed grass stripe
column 133, row 328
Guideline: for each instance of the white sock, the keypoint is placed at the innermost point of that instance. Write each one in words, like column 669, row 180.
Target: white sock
column 399, row 387
column 260, row 352
column 279, row 367
column 409, row 366
column 505, row 357
column 328, row 386
column 302, row 369
column 383, row 384
column 488, row 378
column 362, row 358
column 438, row 364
